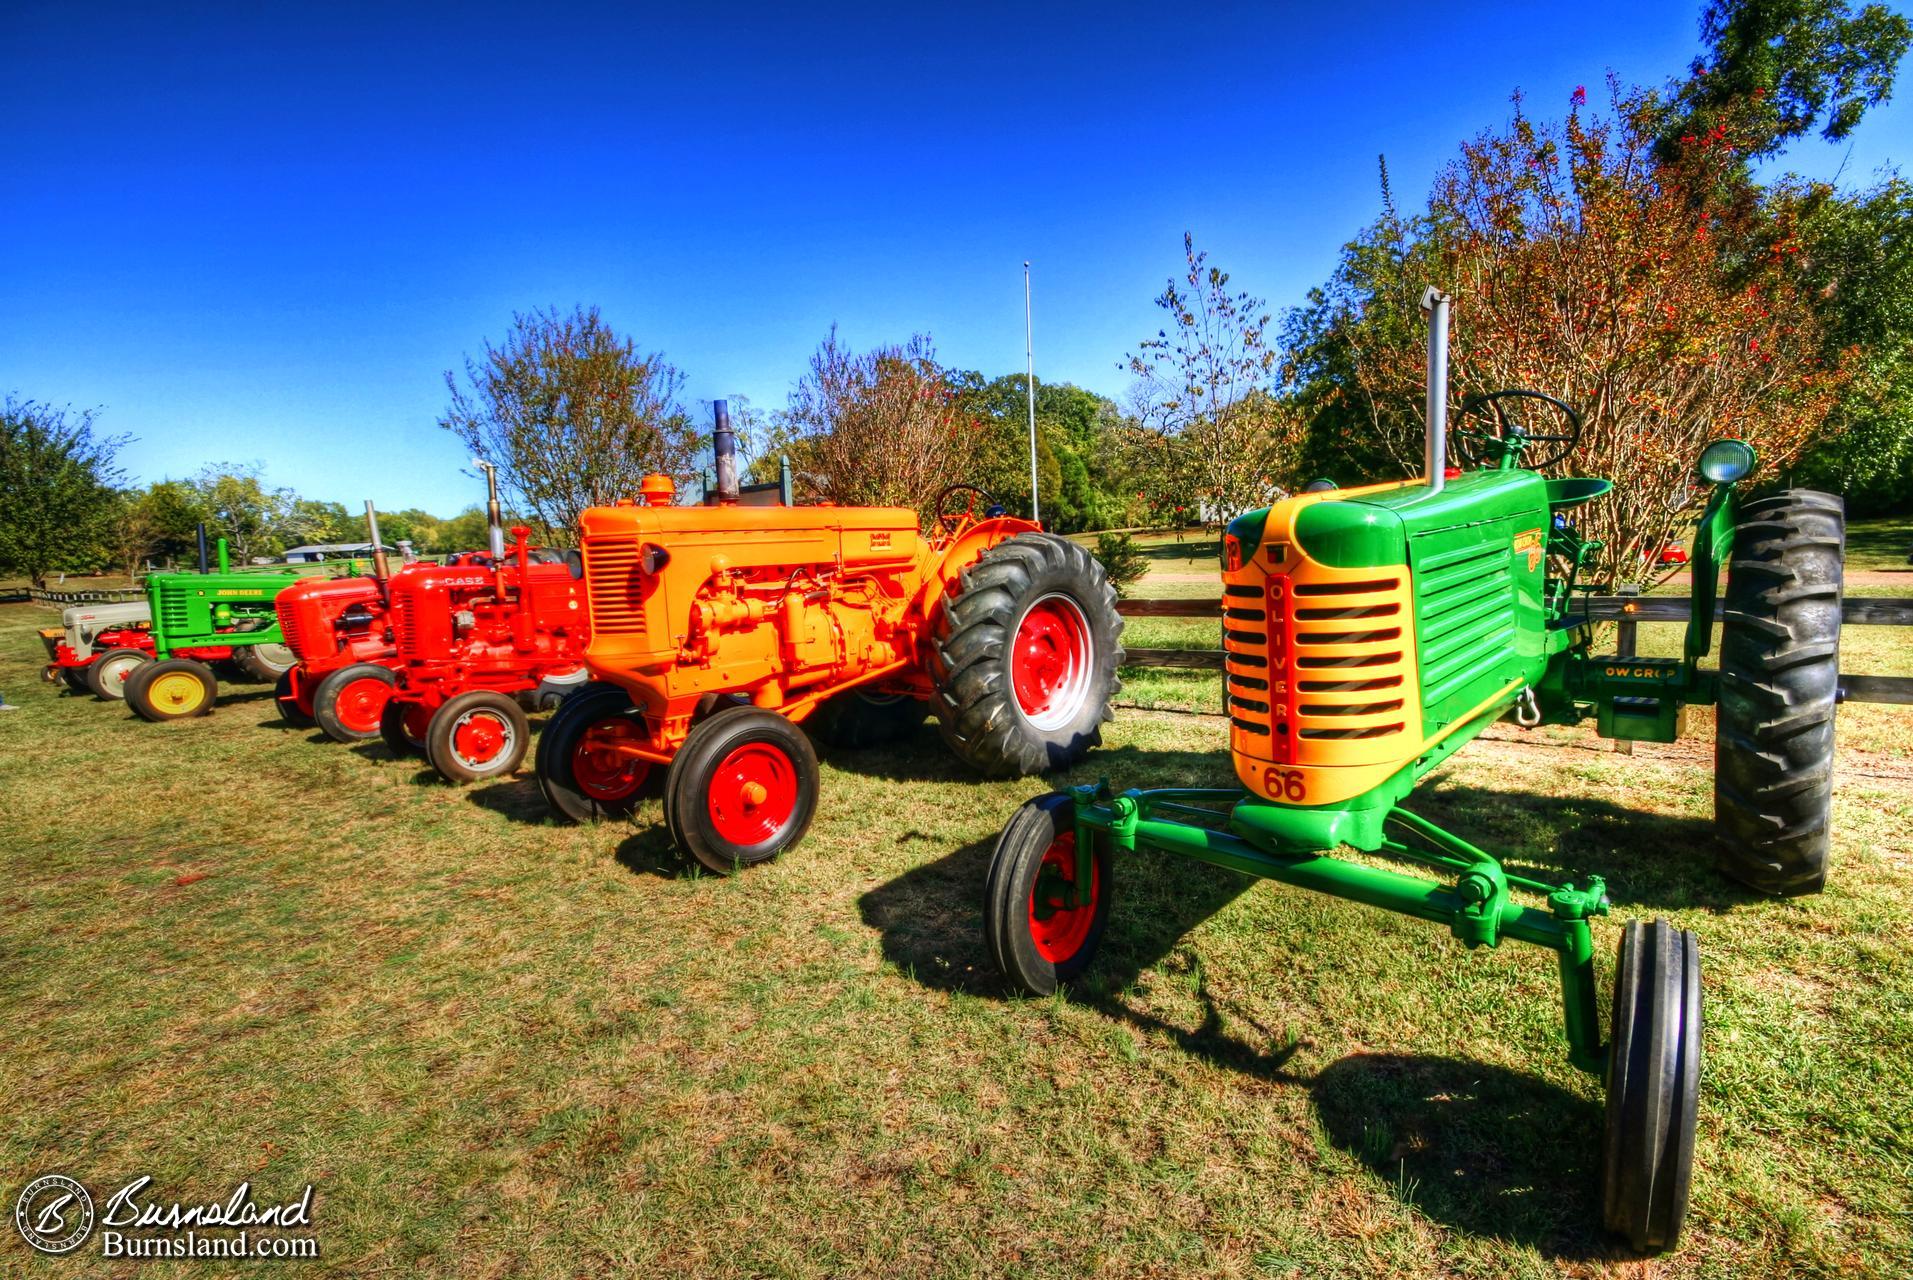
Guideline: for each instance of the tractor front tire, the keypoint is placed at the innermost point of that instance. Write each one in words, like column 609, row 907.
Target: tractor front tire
column 107, row 674
column 1025, row 656
column 741, row 790
column 1779, row 685
column 476, row 736
column 1653, row 1084
column 349, row 704
column 402, row 726
column 176, row 689
column 1040, row 933
column 856, row 719
column 264, row 662
column 74, row 678
column 581, row 774
column 290, row 709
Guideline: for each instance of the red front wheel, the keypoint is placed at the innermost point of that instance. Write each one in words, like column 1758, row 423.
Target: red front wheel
column 476, row 736
column 742, row 789
column 584, row 769
column 1041, row 923
column 349, row 703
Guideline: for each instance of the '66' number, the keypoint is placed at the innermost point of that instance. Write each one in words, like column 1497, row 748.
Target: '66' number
column 1284, row 784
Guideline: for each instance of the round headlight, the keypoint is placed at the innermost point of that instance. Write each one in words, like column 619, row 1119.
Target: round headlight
column 1725, row 461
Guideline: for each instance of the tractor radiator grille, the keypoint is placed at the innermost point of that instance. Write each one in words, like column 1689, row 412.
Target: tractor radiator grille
column 398, row 612
column 175, row 614
column 295, row 634
column 615, row 580
column 1245, row 643
column 1465, row 608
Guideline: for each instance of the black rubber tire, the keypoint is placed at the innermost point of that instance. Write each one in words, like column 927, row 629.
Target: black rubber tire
column 264, row 662
column 402, row 741
column 106, row 679
column 442, row 751
column 139, row 689
column 1653, row 1084
column 687, row 787
column 976, row 704
column 289, row 709
column 74, row 678
column 1779, row 685
column 855, row 719
column 1010, row 892
column 325, row 701
column 583, row 707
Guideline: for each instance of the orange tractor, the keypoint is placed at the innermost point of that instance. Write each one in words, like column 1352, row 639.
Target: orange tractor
column 717, row 630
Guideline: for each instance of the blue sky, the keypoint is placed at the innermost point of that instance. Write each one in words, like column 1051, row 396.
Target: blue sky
column 262, row 232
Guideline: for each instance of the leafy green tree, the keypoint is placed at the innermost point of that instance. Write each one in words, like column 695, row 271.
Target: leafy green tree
column 159, row 522
column 1857, row 256
column 1774, row 69
column 571, row 414
column 254, row 520
column 465, row 531
column 59, row 498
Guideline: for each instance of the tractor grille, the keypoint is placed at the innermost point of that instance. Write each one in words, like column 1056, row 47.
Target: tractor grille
column 614, row 578
column 1317, row 657
column 398, row 612
column 295, row 634
column 175, row 613
column 1465, row 608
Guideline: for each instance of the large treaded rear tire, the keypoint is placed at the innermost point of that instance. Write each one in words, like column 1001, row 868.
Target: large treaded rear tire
column 984, row 631
column 1779, row 684
column 856, row 719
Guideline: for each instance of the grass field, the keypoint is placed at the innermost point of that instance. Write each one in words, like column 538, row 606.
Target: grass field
column 498, row 1047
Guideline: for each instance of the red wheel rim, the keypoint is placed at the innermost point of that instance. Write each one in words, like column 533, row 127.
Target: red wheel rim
column 481, row 737
column 1058, row 929
column 600, row 769
column 361, row 703
column 753, row 794
column 1049, row 665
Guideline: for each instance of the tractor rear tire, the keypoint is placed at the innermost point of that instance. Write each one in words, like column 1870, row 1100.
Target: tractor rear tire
column 403, row 725
column 288, row 702
column 742, row 789
column 856, row 719
column 1653, row 1084
column 349, row 704
column 477, row 736
column 107, row 674
column 580, row 780
column 1025, row 656
column 74, row 678
column 176, row 689
column 1779, row 685
column 1035, row 938
column 264, row 662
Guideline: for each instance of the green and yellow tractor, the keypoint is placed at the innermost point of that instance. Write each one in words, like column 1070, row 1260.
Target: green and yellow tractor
column 223, row 616
column 1369, row 633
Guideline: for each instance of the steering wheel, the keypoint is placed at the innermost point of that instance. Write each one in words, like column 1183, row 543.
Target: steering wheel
column 950, row 519
column 1501, row 433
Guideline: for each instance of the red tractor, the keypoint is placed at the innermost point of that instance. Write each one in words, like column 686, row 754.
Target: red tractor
column 472, row 641
column 337, row 627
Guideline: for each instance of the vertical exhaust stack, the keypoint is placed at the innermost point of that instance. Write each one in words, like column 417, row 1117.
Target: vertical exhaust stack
column 494, row 519
column 724, row 453
column 380, row 569
column 201, row 535
column 1434, row 305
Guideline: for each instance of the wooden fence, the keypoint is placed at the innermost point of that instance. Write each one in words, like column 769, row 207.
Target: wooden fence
column 1875, row 611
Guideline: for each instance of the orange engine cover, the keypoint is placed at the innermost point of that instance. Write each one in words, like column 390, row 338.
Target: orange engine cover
column 764, row 601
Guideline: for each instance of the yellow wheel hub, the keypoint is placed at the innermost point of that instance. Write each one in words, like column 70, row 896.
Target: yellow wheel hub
column 177, row 692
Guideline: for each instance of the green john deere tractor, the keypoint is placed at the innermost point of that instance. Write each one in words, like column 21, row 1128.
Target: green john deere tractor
column 1370, row 632
column 199, row 619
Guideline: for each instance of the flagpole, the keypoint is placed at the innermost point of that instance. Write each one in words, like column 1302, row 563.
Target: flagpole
column 1029, row 356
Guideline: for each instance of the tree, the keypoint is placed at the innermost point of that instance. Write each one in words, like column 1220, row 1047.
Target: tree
column 1204, row 389
column 1651, row 295
column 1857, row 260
column 571, row 414
column 1776, row 68
column 881, row 428
column 59, row 499
column 159, row 522
column 254, row 520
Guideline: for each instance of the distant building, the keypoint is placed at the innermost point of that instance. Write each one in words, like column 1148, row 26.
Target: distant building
column 332, row 551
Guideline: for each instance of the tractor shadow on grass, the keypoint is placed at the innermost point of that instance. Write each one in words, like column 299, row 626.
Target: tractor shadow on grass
column 1489, row 1151
column 1649, row 860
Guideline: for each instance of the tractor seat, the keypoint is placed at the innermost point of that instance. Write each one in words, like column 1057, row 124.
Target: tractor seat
column 1570, row 491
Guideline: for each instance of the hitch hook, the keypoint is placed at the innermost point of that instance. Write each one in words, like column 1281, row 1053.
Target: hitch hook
column 1527, row 712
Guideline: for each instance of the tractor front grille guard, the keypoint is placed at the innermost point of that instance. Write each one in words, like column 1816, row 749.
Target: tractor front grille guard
column 1477, row 905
